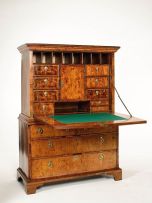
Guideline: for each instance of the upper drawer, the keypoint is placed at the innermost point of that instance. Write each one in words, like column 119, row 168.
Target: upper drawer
column 97, row 70
column 46, row 96
column 97, row 94
column 43, row 131
column 97, row 82
column 46, row 83
column 46, row 70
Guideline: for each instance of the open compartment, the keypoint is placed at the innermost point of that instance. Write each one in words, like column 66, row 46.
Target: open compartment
column 37, row 57
column 67, row 58
column 105, row 58
column 71, row 107
column 86, row 58
column 96, row 58
column 77, row 58
column 57, row 57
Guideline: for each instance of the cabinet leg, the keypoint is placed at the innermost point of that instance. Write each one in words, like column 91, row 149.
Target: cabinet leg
column 117, row 175
column 30, row 189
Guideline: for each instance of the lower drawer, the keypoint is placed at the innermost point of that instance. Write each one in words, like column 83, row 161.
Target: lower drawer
column 66, row 165
column 73, row 145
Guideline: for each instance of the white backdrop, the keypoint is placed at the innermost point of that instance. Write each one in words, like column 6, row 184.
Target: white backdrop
column 125, row 23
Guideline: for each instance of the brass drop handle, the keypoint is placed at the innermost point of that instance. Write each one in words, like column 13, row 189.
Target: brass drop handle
column 40, row 130
column 101, row 139
column 45, row 94
column 45, row 80
column 45, row 68
column 97, row 92
column 50, row 164
column 43, row 107
column 101, row 156
column 97, row 69
column 96, row 80
column 50, row 144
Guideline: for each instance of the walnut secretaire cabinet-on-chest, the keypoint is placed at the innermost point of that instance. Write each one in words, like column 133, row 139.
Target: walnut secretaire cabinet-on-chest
column 68, row 128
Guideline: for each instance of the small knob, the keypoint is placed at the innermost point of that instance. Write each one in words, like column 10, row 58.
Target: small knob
column 96, row 80
column 97, row 69
column 45, row 68
column 45, row 94
column 97, row 92
column 43, row 107
column 46, row 81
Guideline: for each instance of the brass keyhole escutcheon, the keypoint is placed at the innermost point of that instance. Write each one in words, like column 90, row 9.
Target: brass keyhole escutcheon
column 40, row 130
column 43, row 107
column 50, row 144
column 101, row 139
column 101, row 156
column 96, row 80
column 50, row 164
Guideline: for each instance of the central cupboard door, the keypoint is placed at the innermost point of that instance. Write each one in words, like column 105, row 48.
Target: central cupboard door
column 72, row 82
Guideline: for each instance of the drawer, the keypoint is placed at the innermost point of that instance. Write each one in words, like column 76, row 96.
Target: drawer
column 73, row 145
column 46, row 83
column 92, row 143
column 49, row 147
column 99, row 108
column 100, row 103
column 43, row 108
column 43, row 131
column 46, row 70
column 46, row 96
column 75, row 164
column 98, row 94
column 97, row 82
column 97, row 70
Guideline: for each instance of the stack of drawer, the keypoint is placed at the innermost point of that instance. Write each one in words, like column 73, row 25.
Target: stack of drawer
column 98, row 87
column 45, row 88
column 58, row 153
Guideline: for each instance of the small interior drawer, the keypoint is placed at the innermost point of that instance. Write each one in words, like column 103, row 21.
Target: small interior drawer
column 46, row 96
column 97, row 70
column 46, row 83
column 96, row 82
column 46, row 70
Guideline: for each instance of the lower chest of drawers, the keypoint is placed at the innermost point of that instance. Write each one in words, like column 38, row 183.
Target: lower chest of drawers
column 65, row 152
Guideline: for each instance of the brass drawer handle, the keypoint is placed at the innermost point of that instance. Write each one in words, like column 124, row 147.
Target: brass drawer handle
column 45, row 94
column 97, row 92
column 97, row 69
column 101, row 156
column 40, row 130
column 50, row 164
column 50, row 144
column 45, row 68
column 45, row 80
column 96, row 80
column 101, row 139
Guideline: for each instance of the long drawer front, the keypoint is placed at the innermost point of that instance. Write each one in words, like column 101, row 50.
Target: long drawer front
column 73, row 164
column 44, row 131
column 73, row 145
